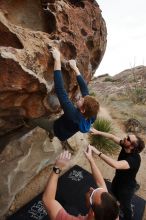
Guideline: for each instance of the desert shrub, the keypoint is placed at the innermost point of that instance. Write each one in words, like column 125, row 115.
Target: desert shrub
column 109, row 79
column 102, row 143
column 137, row 95
column 92, row 94
column 136, row 89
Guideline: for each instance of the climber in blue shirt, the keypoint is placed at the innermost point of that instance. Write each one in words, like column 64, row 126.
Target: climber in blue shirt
column 75, row 118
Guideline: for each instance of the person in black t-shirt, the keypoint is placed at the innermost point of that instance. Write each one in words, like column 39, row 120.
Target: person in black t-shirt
column 127, row 166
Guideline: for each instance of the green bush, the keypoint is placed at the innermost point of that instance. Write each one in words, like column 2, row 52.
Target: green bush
column 136, row 87
column 92, row 94
column 137, row 95
column 109, row 79
column 102, row 143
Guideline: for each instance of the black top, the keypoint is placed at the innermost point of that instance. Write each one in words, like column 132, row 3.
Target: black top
column 127, row 177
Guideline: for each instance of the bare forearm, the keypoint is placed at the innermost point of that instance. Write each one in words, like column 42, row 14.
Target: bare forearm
column 122, row 164
column 50, row 191
column 97, row 174
column 108, row 135
column 113, row 163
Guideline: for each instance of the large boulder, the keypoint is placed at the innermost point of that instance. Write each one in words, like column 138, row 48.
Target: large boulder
column 28, row 28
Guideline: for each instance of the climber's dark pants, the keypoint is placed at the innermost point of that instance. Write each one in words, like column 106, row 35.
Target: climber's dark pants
column 45, row 123
column 48, row 125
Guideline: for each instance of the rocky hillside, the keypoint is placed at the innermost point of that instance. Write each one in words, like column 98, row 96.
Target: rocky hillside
column 123, row 94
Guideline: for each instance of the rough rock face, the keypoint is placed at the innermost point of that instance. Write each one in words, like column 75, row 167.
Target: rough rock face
column 28, row 28
column 23, row 159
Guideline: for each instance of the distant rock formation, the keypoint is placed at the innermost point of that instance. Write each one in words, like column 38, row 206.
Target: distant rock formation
column 129, row 79
column 28, row 28
column 125, row 95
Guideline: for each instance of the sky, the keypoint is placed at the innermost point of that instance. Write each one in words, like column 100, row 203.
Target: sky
column 126, row 39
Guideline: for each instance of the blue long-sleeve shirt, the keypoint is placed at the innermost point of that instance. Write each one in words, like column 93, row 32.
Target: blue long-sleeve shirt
column 72, row 120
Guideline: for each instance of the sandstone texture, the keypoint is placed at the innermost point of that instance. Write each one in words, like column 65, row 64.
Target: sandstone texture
column 23, row 159
column 28, row 29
